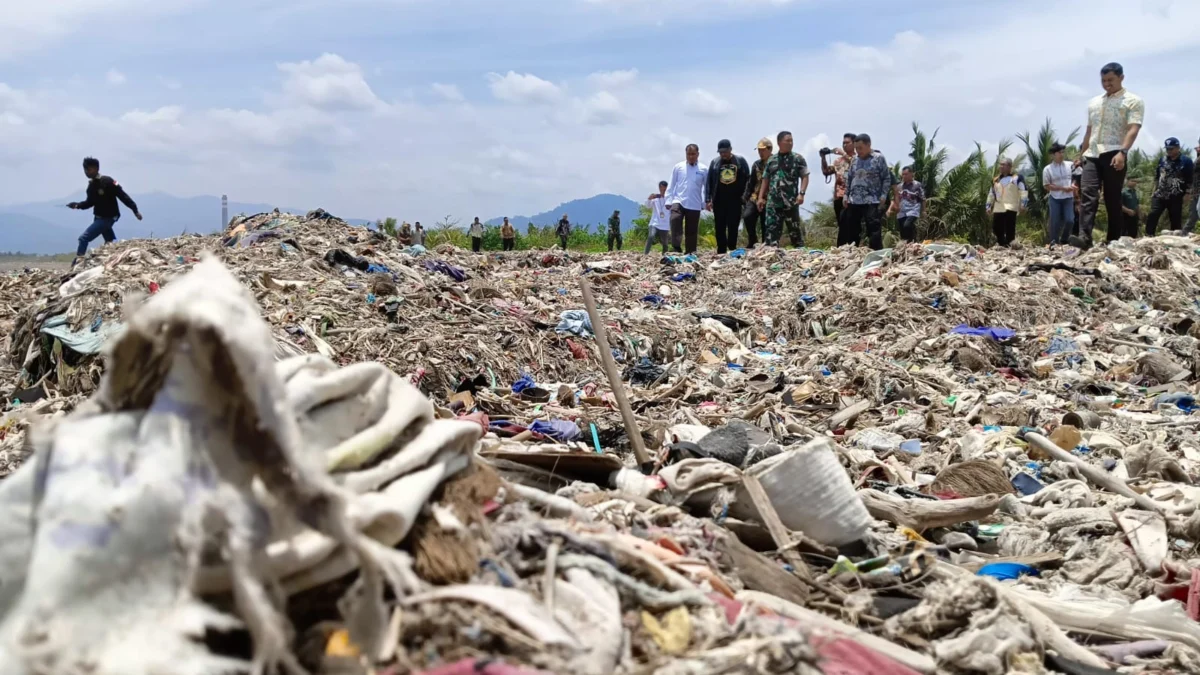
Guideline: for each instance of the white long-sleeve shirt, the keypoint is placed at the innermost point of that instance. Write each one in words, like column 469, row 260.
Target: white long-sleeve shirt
column 688, row 186
column 1056, row 178
column 659, row 218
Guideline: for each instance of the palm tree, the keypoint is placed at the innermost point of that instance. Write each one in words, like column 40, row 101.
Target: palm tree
column 928, row 160
column 1037, row 150
column 957, row 210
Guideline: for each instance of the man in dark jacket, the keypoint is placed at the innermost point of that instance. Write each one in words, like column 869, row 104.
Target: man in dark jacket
column 750, row 213
column 102, row 195
column 614, row 231
column 727, row 177
column 1172, row 180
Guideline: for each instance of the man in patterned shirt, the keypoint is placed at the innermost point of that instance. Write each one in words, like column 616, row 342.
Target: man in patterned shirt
column 751, row 214
column 1172, row 179
column 1114, row 120
column 785, row 180
column 869, row 183
column 838, row 170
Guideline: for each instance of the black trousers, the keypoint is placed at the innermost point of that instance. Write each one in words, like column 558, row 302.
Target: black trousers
column 476, row 244
column 908, row 228
column 1098, row 174
column 850, row 227
column 752, row 218
column 727, row 216
column 1172, row 205
column 839, row 205
column 685, row 228
column 1004, row 226
column 562, row 239
column 615, row 237
column 508, row 244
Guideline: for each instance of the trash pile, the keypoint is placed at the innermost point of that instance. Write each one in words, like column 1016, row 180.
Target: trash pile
column 300, row 446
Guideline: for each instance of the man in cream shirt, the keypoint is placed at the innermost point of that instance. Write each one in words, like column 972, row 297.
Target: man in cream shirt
column 1114, row 120
column 660, row 219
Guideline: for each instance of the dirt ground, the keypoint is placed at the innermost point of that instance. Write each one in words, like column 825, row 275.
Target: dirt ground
column 17, row 265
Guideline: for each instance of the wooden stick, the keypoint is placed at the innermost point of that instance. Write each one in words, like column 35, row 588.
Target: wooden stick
column 1097, row 476
column 845, row 415
column 614, row 378
column 779, row 533
column 923, row 514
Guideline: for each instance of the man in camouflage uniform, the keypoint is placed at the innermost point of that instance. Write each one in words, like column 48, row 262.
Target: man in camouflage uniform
column 785, row 180
column 614, row 230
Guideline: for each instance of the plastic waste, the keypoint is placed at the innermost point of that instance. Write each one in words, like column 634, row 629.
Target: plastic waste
column 575, row 322
column 560, row 430
column 522, row 384
column 80, row 281
column 996, row 333
column 1007, row 570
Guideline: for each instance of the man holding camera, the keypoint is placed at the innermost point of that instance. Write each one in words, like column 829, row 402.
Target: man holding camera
column 837, row 169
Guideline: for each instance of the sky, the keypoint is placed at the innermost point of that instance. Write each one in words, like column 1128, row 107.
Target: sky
column 419, row 109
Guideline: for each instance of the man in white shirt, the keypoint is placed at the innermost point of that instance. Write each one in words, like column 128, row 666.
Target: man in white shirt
column 1114, row 120
column 1060, row 193
column 685, row 197
column 476, row 233
column 660, row 223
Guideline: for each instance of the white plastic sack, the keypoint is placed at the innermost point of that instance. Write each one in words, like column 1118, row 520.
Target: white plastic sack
column 195, row 446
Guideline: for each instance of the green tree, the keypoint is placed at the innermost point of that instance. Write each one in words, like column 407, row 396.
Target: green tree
column 386, row 226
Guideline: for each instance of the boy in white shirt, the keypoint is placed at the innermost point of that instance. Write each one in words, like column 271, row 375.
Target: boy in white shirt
column 660, row 219
column 1060, row 192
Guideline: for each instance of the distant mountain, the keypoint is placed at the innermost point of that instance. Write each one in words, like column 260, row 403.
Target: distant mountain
column 593, row 211
column 50, row 227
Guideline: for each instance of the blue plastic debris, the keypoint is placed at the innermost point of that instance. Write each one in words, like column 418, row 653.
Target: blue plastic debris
column 522, row 384
column 1026, row 484
column 1007, row 570
column 994, row 332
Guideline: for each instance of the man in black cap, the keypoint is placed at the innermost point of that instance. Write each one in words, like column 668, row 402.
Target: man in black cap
column 727, row 176
column 751, row 215
column 1172, row 179
column 102, row 195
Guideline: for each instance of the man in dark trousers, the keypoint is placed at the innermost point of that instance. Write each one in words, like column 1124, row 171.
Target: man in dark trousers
column 750, row 213
column 614, row 231
column 1114, row 120
column 102, row 195
column 1172, row 180
column 727, row 177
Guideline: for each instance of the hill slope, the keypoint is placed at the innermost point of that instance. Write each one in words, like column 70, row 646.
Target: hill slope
column 592, row 211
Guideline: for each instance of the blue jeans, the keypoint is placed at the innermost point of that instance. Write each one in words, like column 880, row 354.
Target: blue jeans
column 100, row 227
column 1062, row 217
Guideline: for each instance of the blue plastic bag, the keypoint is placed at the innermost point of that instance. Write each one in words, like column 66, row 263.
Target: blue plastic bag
column 737, row 253
column 560, row 430
column 994, row 332
column 522, row 384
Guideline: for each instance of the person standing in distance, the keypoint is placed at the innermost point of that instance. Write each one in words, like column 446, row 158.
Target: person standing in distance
column 563, row 230
column 508, row 236
column 910, row 198
column 1172, row 179
column 1007, row 199
column 1114, row 120
column 869, row 182
column 418, row 234
column 614, row 231
column 102, row 195
column 1060, row 193
column 660, row 219
column 785, row 180
column 476, row 233
column 751, row 214
column 727, row 177
column 686, row 198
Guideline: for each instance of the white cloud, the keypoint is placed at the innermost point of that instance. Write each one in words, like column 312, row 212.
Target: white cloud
column 448, row 92
column 613, row 78
column 603, row 108
column 1019, row 107
column 704, row 103
column 115, row 77
column 170, row 83
column 165, row 115
column 815, row 143
column 1067, row 89
column 630, row 159
column 40, row 23
column 329, row 82
column 523, row 88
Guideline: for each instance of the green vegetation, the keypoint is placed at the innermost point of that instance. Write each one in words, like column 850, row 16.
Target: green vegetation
column 33, row 258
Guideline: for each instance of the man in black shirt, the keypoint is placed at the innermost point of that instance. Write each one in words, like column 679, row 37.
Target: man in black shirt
column 727, row 177
column 102, row 195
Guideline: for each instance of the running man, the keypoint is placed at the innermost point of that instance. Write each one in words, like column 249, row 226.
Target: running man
column 102, row 195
